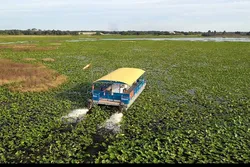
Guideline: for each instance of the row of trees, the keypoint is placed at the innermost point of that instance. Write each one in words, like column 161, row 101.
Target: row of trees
column 214, row 33
column 152, row 32
column 35, row 31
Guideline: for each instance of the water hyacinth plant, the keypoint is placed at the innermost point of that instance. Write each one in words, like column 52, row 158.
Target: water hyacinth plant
column 195, row 108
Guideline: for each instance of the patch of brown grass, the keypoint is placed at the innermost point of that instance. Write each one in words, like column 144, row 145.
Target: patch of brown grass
column 48, row 59
column 27, row 47
column 28, row 77
column 44, row 48
column 17, row 46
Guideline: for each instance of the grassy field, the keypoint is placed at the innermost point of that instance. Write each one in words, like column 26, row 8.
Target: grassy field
column 195, row 108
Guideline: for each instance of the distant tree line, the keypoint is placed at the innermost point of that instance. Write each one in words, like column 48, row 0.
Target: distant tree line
column 214, row 33
column 35, row 31
column 152, row 32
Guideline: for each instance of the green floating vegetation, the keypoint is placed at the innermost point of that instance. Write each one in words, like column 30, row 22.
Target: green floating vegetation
column 194, row 109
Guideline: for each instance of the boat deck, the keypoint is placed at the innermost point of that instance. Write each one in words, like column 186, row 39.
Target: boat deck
column 109, row 102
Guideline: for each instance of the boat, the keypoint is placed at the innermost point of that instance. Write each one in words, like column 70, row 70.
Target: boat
column 119, row 88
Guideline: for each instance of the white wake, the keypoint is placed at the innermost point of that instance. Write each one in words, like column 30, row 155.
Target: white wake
column 112, row 123
column 75, row 115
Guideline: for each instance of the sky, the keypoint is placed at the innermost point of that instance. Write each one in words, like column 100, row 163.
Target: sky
column 124, row 15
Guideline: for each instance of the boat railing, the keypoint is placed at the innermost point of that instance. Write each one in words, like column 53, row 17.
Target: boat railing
column 124, row 97
column 138, row 87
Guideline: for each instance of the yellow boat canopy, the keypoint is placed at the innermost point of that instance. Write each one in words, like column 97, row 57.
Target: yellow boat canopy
column 124, row 75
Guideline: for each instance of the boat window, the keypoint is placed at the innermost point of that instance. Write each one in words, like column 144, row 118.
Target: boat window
column 101, row 85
